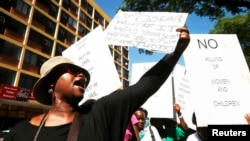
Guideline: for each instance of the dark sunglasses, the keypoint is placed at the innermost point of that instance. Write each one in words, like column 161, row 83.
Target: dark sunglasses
column 73, row 70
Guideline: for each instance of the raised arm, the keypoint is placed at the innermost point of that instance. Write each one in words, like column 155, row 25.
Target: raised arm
column 124, row 102
column 181, row 46
column 152, row 80
column 183, row 123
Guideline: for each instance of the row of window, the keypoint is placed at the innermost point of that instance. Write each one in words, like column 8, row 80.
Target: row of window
column 47, row 29
column 10, row 54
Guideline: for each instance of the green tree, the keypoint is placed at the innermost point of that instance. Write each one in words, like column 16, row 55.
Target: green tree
column 239, row 25
column 214, row 9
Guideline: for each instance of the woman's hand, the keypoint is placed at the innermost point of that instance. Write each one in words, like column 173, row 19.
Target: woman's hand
column 183, row 40
column 247, row 117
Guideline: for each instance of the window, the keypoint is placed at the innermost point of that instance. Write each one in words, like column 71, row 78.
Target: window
column 65, row 37
column 72, row 22
column 82, row 16
column 23, row 7
column 9, row 53
column 7, row 76
column 82, row 31
column 32, row 62
column 27, row 81
column 59, row 49
column 40, row 42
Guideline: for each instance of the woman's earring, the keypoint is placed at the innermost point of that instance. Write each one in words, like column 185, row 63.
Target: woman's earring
column 50, row 91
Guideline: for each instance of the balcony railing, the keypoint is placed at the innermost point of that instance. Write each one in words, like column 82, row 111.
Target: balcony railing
column 30, row 67
column 13, row 35
column 19, row 13
column 38, row 25
column 35, row 45
column 41, row 6
column 68, row 42
column 71, row 27
column 6, row 59
column 83, row 20
column 72, row 11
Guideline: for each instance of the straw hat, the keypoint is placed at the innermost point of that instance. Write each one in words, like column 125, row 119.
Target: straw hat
column 40, row 89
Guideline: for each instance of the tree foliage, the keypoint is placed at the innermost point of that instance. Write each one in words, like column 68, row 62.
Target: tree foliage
column 239, row 25
column 213, row 9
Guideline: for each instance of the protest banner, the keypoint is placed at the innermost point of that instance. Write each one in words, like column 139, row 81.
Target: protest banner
column 148, row 30
column 159, row 105
column 219, row 79
column 182, row 94
column 92, row 53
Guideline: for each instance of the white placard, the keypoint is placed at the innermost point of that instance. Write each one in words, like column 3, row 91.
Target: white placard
column 219, row 79
column 148, row 30
column 159, row 105
column 182, row 94
column 92, row 53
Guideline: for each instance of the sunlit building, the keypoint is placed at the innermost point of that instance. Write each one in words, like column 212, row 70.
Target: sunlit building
column 32, row 31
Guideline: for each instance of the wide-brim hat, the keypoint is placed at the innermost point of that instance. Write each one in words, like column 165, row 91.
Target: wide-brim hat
column 40, row 89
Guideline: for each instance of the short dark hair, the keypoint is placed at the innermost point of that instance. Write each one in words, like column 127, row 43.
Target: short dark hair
column 143, row 110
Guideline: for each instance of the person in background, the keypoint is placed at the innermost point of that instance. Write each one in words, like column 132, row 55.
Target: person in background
column 61, row 86
column 200, row 134
column 179, row 130
column 147, row 132
column 132, row 133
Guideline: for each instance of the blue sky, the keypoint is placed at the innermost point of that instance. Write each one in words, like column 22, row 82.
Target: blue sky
column 195, row 24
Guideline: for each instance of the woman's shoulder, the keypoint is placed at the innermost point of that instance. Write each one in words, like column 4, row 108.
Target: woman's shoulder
column 20, row 125
column 193, row 137
column 36, row 120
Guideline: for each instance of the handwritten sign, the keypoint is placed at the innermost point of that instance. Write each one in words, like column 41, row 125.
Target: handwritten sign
column 148, row 30
column 219, row 79
column 92, row 53
column 159, row 105
column 183, row 95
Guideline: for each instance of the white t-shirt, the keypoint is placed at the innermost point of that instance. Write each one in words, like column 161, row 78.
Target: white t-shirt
column 194, row 137
column 146, row 136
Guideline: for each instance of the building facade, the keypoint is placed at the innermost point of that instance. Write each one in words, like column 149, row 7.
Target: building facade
column 32, row 31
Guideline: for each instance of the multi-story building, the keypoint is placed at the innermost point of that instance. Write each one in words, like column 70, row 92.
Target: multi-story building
column 31, row 31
